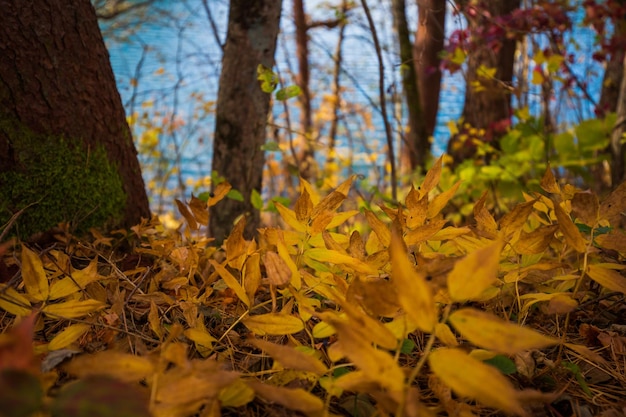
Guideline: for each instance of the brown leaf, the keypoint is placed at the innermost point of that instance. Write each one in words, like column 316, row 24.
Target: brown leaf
column 585, row 207
column 613, row 208
column 186, row 213
column 548, row 182
column 278, row 273
column 569, row 230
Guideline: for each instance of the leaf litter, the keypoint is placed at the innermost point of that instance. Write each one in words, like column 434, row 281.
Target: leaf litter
column 390, row 311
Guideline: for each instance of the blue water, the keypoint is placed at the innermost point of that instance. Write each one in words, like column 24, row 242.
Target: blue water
column 176, row 62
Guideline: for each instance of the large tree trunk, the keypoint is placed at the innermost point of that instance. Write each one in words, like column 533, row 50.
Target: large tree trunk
column 65, row 145
column 417, row 143
column 487, row 98
column 618, row 150
column 429, row 42
column 242, row 110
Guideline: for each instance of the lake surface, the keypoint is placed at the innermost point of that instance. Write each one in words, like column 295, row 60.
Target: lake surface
column 169, row 70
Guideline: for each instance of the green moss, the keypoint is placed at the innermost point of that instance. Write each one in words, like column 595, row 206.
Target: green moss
column 63, row 182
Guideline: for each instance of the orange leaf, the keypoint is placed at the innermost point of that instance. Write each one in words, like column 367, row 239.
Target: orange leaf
column 414, row 293
column 569, row 230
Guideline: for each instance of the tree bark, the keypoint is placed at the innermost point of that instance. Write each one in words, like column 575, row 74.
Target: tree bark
column 57, row 86
column 487, row 98
column 242, row 110
column 417, row 144
column 618, row 150
column 429, row 42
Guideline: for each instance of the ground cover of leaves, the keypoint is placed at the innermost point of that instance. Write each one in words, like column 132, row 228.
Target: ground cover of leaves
column 521, row 315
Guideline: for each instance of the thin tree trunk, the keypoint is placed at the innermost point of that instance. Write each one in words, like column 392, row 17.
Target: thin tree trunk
column 383, row 100
column 429, row 42
column 417, row 143
column 242, row 110
column 306, row 163
column 57, row 86
column 338, row 58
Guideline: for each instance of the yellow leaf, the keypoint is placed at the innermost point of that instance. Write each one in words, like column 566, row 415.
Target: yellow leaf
column 154, row 319
column 236, row 394
column 338, row 258
column 432, row 177
column 513, row 221
column 73, row 309
column 191, row 388
column 424, row 232
column 414, row 293
column 369, row 328
column 289, row 217
column 472, row 378
column 219, row 193
column 303, row 206
column 440, row 200
column 273, row 324
column 34, row 276
column 535, row 242
column 548, row 182
column 444, row 333
column 490, row 332
column 380, row 228
column 572, row 236
column 78, row 281
column 68, row 336
column 231, row 282
column 122, row 366
column 295, row 399
column 417, row 209
column 475, row 273
column 291, row 358
column 340, row 218
column 321, row 222
column 13, row 302
column 608, row 278
column 322, row 330
column 283, row 251
column 376, row 364
column 236, row 245
column 252, row 275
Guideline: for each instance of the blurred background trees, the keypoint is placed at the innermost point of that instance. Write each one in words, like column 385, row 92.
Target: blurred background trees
column 506, row 86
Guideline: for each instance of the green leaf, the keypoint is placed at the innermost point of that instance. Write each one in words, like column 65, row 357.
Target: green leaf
column 288, row 92
column 573, row 368
column 256, row 200
column 235, row 195
column 407, row 346
column 270, row 146
column 503, row 363
column 269, row 80
column 204, row 196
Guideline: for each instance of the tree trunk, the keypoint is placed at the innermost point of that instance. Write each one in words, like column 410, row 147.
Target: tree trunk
column 242, row 110
column 429, row 42
column 618, row 150
column 417, row 143
column 487, row 98
column 65, row 145
column 306, row 159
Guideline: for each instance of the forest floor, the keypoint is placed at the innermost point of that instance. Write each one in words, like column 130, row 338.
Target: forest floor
column 394, row 313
